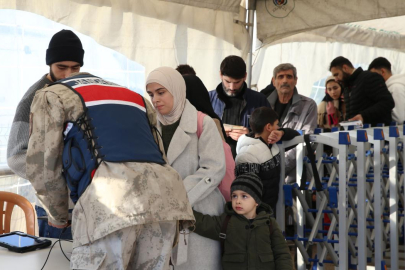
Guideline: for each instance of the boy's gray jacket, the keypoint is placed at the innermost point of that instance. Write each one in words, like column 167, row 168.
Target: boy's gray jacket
column 120, row 195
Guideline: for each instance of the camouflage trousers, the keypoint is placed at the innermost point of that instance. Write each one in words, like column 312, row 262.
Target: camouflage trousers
column 145, row 246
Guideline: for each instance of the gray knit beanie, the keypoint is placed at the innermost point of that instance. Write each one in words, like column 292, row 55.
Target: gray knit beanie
column 249, row 183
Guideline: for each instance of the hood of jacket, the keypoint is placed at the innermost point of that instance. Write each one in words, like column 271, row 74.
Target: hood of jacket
column 225, row 98
column 262, row 210
column 353, row 77
column 295, row 98
column 253, row 150
column 396, row 79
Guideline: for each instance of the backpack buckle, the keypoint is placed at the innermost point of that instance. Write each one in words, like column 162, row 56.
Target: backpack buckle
column 222, row 235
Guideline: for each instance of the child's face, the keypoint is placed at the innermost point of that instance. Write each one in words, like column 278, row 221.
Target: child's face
column 244, row 204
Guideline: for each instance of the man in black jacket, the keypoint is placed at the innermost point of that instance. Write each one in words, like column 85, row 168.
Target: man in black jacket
column 269, row 89
column 233, row 101
column 366, row 96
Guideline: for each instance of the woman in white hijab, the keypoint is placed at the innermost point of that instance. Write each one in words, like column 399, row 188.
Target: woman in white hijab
column 199, row 161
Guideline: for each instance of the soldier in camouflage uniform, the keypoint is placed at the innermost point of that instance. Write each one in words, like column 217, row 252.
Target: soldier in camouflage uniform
column 126, row 218
column 64, row 56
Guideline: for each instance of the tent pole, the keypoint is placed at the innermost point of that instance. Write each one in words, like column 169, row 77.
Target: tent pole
column 250, row 24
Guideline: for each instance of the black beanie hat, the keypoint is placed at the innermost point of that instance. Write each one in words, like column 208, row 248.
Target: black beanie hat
column 249, row 183
column 64, row 46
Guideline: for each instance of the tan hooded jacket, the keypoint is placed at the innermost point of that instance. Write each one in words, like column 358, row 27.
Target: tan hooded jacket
column 120, row 195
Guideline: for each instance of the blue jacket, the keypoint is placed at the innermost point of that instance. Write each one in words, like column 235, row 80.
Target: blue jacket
column 93, row 137
column 252, row 100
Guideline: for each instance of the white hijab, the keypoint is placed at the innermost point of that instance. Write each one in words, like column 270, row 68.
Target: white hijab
column 172, row 80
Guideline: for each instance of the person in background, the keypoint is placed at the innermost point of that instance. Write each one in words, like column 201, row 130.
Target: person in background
column 200, row 161
column 366, row 96
column 257, row 155
column 198, row 96
column 332, row 109
column 233, row 101
column 395, row 84
column 63, row 56
column 269, row 89
column 294, row 111
column 253, row 239
column 185, row 69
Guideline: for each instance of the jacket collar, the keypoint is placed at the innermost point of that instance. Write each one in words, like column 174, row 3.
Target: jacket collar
column 224, row 98
column 263, row 212
column 296, row 97
column 249, row 139
column 181, row 137
column 188, row 121
column 274, row 96
column 354, row 76
column 295, row 108
column 396, row 79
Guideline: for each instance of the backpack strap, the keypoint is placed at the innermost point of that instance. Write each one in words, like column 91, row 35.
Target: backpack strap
column 270, row 227
column 222, row 235
column 200, row 121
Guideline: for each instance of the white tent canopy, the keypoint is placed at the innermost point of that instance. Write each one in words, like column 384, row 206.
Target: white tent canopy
column 202, row 32
column 153, row 33
column 224, row 5
column 276, row 21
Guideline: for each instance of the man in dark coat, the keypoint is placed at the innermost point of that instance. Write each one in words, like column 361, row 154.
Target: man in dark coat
column 366, row 95
column 269, row 89
column 233, row 101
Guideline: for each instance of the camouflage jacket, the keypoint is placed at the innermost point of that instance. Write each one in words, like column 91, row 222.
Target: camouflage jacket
column 120, row 195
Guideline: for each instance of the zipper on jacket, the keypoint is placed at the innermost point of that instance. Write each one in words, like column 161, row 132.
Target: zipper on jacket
column 247, row 245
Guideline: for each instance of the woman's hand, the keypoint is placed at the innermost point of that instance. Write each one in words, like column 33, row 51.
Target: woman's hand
column 236, row 133
column 227, row 130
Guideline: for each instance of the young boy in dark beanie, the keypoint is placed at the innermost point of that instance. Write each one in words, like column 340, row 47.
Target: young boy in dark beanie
column 251, row 237
column 257, row 152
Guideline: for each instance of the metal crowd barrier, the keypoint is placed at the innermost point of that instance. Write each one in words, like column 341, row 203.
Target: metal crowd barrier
column 362, row 195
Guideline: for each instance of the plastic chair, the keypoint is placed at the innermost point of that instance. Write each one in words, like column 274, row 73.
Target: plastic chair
column 11, row 199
